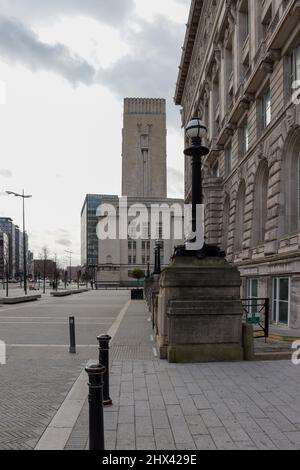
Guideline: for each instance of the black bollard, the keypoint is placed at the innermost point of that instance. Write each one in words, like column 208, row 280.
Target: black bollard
column 104, row 361
column 96, row 424
column 72, row 349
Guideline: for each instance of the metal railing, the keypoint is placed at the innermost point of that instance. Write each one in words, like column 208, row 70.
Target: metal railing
column 257, row 313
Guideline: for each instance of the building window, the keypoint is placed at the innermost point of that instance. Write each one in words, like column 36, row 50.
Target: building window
column 260, row 204
column 266, row 21
column 281, row 300
column 146, row 230
column 132, row 252
column 245, row 138
column 291, row 191
column 295, row 62
column 252, row 295
column 144, row 142
column 244, row 20
column 266, row 109
column 145, row 252
column 159, row 231
column 228, row 159
column 239, row 217
column 226, row 214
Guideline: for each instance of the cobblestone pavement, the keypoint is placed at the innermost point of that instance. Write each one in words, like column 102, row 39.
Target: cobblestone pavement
column 40, row 371
column 250, row 405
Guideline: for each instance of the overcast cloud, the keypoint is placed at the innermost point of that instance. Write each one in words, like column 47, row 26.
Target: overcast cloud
column 107, row 11
column 5, row 173
column 151, row 67
column 21, row 45
column 143, row 41
column 149, row 70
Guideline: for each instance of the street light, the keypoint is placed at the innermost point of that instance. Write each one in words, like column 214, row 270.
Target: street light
column 23, row 196
column 157, row 264
column 196, row 131
column 70, row 253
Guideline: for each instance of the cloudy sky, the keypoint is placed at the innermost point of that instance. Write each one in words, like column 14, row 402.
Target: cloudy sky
column 65, row 67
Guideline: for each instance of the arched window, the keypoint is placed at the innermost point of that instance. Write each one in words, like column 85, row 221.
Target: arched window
column 239, row 217
column 290, row 180
column 225, row 228
column 260, row 204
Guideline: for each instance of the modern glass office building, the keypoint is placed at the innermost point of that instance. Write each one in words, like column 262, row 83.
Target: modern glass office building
column 7, row 226
column 89, row 220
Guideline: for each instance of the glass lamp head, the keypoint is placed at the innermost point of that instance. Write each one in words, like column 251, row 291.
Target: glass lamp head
column 196, row 129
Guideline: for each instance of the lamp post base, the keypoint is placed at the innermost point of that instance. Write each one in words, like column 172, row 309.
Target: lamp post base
column 211, row 251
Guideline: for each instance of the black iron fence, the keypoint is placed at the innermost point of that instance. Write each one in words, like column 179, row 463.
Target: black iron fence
column 122, row 285
column 257, row 313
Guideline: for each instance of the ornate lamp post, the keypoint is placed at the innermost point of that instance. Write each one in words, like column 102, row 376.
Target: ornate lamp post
column 157, row 266
column 196, row 131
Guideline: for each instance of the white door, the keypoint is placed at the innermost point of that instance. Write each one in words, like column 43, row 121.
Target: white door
column 281, row 300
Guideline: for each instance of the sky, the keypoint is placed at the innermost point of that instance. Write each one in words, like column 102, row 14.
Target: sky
column 65, row 67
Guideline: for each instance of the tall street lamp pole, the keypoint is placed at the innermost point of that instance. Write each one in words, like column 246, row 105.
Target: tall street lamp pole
column 70, row 254
column 23, row 196
column 196, row 131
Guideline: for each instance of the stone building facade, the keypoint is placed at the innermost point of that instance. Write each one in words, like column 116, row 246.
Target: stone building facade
column 240, row 73
column 144, row 187
column 144, row 152
column 119, row 256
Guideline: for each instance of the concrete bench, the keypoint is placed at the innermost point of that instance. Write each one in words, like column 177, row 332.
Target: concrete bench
column 65, row 293
column 19, row 300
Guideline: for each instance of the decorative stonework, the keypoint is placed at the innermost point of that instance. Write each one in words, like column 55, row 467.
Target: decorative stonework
column 214, row 60
column 292, row 120
column 242, row 173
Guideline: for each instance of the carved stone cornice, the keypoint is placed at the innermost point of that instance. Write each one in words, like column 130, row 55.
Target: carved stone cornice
column 276, row 156
column 242, row 173
column 267, row 67
column 273, row 55
column 292, row 120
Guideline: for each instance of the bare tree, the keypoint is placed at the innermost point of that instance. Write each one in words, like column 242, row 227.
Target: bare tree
column 44, row 256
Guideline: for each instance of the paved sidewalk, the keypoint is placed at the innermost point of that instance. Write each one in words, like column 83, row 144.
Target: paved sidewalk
column 250, row 405
column 39, row 370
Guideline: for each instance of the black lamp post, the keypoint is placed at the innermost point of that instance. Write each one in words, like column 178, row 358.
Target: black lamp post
column 157, row 266
column 23, row 196
column 195, row 132
column 148, row 270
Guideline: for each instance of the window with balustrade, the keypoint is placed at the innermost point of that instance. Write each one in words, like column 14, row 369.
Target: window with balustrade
column 228, row 159
column 260, row 204
column 244, row 137
column 295, row 69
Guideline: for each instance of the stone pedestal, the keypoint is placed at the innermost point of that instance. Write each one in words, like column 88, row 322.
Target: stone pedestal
column 199, row 316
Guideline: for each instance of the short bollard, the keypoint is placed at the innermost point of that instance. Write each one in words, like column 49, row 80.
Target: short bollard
column 72, row 349
column 96, row 424
column 104, row 361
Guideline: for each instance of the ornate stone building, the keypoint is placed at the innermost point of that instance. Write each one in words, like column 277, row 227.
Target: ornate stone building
column 144, row 148
column 240, row 73
column 144, row 184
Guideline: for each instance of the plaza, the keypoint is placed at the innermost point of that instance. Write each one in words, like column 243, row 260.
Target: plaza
column 156, row 405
